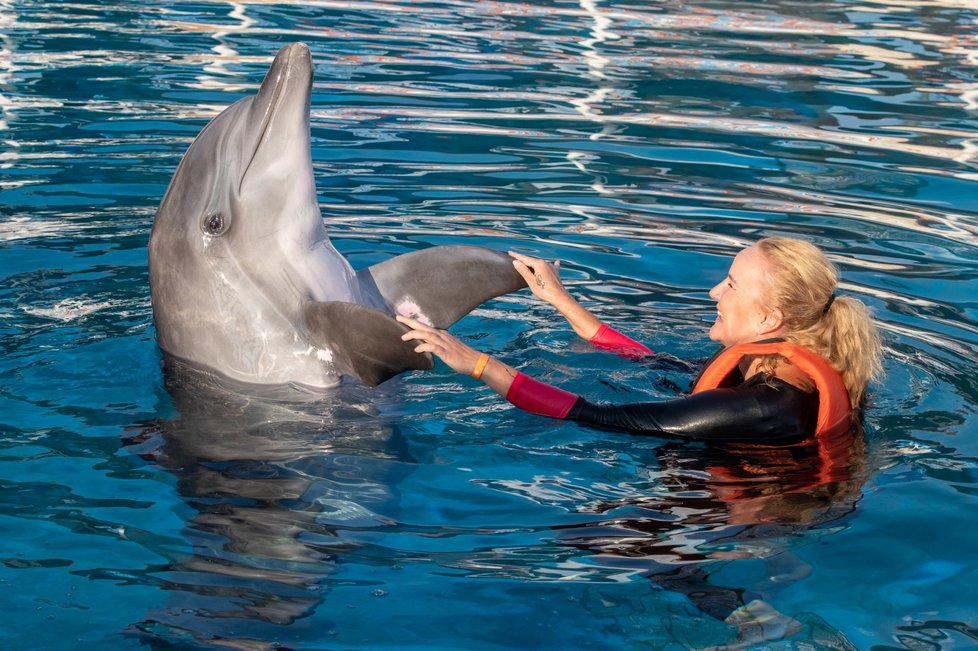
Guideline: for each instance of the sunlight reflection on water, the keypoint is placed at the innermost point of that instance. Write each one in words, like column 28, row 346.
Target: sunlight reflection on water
column 642, row 145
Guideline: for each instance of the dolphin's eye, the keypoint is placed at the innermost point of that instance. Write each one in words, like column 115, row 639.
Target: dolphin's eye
column 215, row 224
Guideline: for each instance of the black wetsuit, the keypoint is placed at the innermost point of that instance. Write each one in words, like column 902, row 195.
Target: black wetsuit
column 759, row 410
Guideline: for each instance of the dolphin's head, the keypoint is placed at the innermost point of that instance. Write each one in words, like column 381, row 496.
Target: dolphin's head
column 238, row 243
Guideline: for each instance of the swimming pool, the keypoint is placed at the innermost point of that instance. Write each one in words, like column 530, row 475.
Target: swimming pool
column 642, row 144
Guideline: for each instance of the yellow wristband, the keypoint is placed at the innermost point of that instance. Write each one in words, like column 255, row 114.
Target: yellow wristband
column 480, row 366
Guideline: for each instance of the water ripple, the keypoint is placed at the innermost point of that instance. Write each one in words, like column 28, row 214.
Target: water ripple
column 642, row 145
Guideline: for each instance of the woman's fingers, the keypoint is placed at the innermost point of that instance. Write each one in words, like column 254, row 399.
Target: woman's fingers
column 534, row 265
column 416, row 334
column 525, row 259
column 542, row 277
column 414, row 324
column 426, row 334
column 432, row 339
column 532, row 262
column 524, row 266
column 450, row 350
column 525, row 271
column 529, row 267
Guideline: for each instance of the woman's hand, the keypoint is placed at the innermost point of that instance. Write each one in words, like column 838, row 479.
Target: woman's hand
column 461, row 358
column 542, row 277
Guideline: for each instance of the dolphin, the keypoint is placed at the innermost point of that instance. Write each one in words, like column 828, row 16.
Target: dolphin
column 244, row 279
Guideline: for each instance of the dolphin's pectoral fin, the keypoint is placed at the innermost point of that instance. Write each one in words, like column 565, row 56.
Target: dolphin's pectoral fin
column 364, row 342
column 443, row 283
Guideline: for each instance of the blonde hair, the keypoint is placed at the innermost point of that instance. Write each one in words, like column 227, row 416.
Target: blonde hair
column 802, row 284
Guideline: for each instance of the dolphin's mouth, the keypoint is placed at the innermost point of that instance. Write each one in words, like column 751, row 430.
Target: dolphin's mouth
column 286, row 88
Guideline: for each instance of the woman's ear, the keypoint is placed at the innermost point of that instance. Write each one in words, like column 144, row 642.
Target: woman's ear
column 773, row 320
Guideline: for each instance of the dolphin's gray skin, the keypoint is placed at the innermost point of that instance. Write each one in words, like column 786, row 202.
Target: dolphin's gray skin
column 245, row 281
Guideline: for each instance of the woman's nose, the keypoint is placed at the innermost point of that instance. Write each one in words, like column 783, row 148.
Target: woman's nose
column 715, row 292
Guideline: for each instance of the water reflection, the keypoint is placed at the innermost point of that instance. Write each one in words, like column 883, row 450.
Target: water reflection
column 638, row 143
column 8, row 74
column 275, row 483
column 688, row 511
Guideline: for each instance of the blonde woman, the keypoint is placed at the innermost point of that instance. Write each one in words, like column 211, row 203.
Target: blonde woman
column 796, row 358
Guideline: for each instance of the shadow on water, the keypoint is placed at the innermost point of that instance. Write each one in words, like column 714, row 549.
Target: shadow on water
column 272, row 480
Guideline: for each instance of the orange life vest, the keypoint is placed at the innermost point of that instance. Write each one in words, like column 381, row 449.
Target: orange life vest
column 833, row 397
column 834, row 409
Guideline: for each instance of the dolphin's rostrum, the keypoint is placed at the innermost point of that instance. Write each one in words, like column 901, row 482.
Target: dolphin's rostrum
column 245, row 281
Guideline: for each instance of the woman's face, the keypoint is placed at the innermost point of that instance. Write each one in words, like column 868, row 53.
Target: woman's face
column 741, row 315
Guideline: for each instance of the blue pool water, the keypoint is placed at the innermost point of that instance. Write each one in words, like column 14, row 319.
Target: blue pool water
column 643, row 144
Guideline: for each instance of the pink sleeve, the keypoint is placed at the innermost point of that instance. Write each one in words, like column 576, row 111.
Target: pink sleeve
column 610, row 339
column 539, row 398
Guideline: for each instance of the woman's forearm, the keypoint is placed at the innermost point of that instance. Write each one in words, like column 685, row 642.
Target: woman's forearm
column 460, row 357
column 543, row 279
column 499, row 376
column 584, row 323
column 524, row 392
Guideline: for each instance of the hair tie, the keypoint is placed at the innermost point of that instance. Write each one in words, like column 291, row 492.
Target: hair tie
column 828, row 304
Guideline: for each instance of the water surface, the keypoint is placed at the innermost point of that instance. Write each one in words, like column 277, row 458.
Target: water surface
column 643, row 144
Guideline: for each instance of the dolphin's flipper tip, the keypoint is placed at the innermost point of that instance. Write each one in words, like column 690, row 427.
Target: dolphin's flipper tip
column 365, row 343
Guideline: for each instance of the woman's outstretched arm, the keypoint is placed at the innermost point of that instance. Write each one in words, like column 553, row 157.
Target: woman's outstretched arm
column 771, row 411
column 543, row 279
column 460, row 357
column 519, row 389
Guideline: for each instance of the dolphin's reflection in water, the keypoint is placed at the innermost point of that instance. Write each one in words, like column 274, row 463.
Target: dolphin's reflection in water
column 274, row 480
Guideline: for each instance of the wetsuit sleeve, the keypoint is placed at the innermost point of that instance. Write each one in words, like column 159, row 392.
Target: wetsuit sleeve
column 774, row 412
column 610, row 339
column 539, row 398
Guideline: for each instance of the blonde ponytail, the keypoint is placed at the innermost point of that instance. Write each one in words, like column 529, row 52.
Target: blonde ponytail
column 803, row 285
